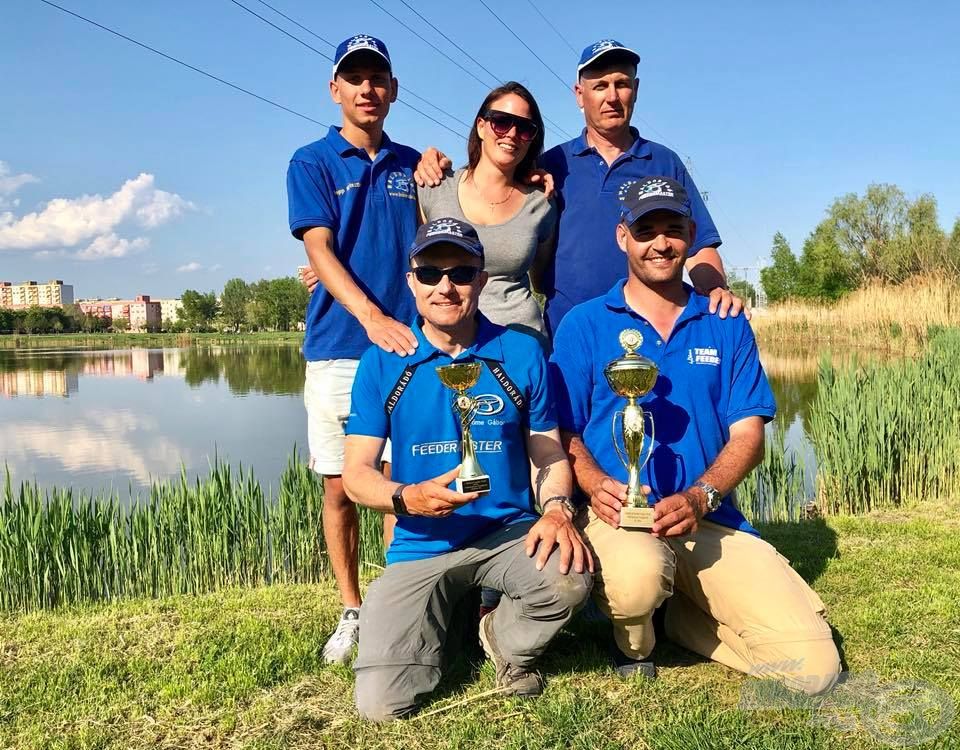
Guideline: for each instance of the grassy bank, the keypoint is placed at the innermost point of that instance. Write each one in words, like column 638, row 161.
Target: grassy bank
column 242, row 669
column 127, row 340
column 879, row 316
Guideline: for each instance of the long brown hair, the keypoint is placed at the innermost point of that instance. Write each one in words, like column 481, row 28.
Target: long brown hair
column 529, row 162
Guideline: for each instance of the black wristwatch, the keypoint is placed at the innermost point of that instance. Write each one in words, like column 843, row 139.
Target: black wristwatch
column 400, row 507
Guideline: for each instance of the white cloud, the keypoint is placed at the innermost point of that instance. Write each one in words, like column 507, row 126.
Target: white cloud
column 189, row 267
column 111, row 246
column 215, row 267
column 11, row 183
column 65, row 222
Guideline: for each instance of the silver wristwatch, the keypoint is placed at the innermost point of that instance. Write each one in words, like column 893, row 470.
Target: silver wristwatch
column 565, row 501
column 714, row 498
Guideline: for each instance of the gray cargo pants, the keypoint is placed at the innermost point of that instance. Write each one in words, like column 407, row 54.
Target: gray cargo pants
column 404, row 618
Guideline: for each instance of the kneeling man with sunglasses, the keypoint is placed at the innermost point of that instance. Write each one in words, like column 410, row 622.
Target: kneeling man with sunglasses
column 447, row 542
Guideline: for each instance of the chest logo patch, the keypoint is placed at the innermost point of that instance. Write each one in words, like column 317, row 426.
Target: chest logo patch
column 401, row 185
column 488, row 404
column 703, row 356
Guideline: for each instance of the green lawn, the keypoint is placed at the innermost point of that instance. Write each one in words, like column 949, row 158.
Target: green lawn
column 241, row 668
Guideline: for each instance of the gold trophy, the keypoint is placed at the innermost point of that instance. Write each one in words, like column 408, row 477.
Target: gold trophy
column 632, row 376
column 460, row 377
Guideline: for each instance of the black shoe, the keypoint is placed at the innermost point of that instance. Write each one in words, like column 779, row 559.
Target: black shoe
column 627, row 668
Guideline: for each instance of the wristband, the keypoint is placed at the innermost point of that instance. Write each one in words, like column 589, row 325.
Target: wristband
column 399, row 507
column 563, row 500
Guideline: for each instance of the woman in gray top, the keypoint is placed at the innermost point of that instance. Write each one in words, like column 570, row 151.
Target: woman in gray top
column 516, row 223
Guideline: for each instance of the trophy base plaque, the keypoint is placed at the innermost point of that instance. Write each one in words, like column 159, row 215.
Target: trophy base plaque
column 479, row 484
column 636, row 517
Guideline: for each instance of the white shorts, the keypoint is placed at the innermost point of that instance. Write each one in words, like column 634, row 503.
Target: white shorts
column 326, row 395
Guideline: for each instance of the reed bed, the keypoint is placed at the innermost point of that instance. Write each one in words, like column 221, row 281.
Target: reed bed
column 878, row 316
column 59, row 549
column 886, row 435
column 775, row 491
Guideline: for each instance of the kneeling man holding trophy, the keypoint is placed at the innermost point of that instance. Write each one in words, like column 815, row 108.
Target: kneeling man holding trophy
column 476, row 449
column 660, row 467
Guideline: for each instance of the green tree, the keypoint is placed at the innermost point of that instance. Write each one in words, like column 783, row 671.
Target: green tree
column 233, row 302
column 120, row 325
column 198, row 310
column 864, row 228
column 742, row 288
column 825, row 272
column 952, row 252
column 278, row 303
column 779, row 280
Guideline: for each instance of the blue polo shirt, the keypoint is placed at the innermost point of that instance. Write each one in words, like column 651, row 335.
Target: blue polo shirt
column 371, row 206
column 710, row 377
column 515, row 396
column 588, row 261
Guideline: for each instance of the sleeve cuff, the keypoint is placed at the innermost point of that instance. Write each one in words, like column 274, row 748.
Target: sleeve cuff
column 760, row 411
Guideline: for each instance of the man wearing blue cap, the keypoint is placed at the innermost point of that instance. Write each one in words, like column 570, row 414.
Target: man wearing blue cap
column 732, row 597
column 446, row 542
column 352, row 202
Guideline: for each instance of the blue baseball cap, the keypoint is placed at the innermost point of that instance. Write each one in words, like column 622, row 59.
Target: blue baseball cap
column 595, row 51
column 447, row 231
column 360, row 43
column 640, row 197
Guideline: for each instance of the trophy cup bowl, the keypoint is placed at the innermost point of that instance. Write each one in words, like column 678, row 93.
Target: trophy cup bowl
column 460, row 377
column 633, row 376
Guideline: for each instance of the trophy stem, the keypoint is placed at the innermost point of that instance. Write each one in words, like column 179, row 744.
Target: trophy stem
column 633, row 416
column 470, row 466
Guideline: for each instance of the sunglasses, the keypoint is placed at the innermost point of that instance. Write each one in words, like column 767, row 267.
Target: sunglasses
column 502, row 122
column 431, row 275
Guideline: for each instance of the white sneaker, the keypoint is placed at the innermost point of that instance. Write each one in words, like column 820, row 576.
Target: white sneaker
column 339, row 648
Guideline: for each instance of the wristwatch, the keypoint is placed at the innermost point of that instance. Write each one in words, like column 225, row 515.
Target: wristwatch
column 714, row 498
column 565, row 501
column 400, row 507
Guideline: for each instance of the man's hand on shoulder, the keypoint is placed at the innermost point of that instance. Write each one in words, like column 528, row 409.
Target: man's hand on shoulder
column 542, row 178
column 679, row 514
column 389, row 334
column 431, row 168
column 555, row 529
column 434, row 499
column 724, row 302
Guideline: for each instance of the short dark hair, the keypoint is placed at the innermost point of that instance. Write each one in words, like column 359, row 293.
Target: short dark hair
column 529, row 162
column 614, row 59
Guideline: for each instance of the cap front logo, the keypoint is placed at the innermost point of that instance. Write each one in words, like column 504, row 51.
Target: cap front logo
column 605, row 44
column 362, row 40
column 445, row 226
column 656, row 189
column 624, row 189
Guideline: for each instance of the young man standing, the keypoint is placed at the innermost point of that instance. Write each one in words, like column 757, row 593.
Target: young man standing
column 730, row 596
column 353, row 204
column 446, row 542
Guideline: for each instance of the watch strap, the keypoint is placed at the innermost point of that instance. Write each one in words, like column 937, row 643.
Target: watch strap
column 400, row 507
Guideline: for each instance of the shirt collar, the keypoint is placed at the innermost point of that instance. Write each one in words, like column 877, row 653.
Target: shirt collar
column 640, row 149
column 486, row 345
column 697, row 304
column 345, row 148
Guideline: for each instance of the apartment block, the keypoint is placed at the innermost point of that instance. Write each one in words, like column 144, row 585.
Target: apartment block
column 53, row 293
column 143, row 313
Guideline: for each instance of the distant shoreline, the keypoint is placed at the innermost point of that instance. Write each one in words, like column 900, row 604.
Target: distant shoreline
column 125, row 340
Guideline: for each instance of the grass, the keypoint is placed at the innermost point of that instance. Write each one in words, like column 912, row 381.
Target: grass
column 241, row 668
column 126, row 340
column 885, row 317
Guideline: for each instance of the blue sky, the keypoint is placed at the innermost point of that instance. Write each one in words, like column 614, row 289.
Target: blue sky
column 162, row 180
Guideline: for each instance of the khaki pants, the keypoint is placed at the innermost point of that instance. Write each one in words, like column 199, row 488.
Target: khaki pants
column 732, row 598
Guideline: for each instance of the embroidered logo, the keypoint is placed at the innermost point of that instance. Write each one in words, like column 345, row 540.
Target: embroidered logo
column 703, row 356
column 656, row 189
column 400, row 185
column 605, row 44
column 445, row 226
column 362, row 40
column 488, row 404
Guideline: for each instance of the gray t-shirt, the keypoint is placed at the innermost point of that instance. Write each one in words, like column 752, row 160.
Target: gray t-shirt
column 509, row 249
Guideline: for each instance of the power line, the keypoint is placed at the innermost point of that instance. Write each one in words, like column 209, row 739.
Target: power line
column 559, row 130
column 328, row 57
column 184, row 64
column 527, row 46
column 431, row 44
column 555, row 29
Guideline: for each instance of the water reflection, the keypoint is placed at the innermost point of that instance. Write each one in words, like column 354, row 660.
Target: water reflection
column 261, row 369
column 96, row 420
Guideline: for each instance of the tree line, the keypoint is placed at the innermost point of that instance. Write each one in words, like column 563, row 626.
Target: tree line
column 881, row 236
column 268, row 304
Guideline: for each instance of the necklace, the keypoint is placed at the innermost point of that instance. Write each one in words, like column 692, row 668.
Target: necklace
column 492, row 204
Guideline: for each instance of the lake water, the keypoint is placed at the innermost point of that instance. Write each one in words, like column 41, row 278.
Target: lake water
column 96, row 420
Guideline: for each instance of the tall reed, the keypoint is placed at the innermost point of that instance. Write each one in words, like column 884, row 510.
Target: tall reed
column 889, row 434
column 183, row 538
